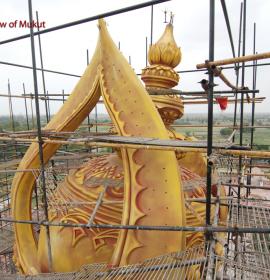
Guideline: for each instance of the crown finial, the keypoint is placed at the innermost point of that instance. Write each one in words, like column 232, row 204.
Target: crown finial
column 165, row 51
column 171, row 18
column 165, row 15
column 163, row 56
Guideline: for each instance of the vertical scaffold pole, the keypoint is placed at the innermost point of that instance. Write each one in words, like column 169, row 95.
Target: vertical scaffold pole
column 242, row 94
column 40, row 142
column 210, row 112
column 254, row 78
column 237, row 67
column 47, row 100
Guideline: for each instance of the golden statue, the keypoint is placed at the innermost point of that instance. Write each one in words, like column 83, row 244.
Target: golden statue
column 153, row 184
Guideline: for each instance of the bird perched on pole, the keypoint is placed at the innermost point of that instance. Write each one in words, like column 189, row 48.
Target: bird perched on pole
column 206, row 85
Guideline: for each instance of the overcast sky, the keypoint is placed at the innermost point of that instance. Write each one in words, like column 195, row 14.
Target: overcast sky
column 65, row 50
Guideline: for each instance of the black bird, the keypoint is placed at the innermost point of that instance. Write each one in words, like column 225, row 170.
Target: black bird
column 205, row 84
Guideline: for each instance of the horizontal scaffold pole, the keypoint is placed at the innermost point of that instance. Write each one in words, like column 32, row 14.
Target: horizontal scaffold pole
column 84, row 20
column 234, row 60
column 142, row 227
column 87, row 142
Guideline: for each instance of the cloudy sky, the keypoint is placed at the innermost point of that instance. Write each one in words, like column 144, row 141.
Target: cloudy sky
column 65, row 50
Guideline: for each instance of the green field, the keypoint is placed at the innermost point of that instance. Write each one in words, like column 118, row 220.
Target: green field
column 261, row 135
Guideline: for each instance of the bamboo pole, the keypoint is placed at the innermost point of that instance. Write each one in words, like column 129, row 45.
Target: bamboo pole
column 267, row 166
column 48, row 133
column 51, row 132
column 257, row 175
column 18, row 96
column 213, row 199
column 264, row 154
column 225, row 79
column 245, row 186
column 158, row 91
column 184, row 102
column 256, row 100
column 227, row 61
column 151, row 91
column 191, row 125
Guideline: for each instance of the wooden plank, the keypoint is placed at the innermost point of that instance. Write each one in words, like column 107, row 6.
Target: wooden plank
column 158, row 142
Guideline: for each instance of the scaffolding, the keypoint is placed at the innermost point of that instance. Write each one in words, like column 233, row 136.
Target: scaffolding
column 247, row 227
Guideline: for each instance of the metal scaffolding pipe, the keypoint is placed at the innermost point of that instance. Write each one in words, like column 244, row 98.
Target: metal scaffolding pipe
column 78, row 76
column 209, row 229
column 89, row 19
column 210, row 115
column 40, row 141
column 226, row 16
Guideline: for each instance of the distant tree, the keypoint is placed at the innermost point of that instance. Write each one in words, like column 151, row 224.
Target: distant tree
column 247, row 129
column 259, row 122
column 17, row 124
column 262, row 147
column 188, row 133
column 106, row 120
column 226, row 131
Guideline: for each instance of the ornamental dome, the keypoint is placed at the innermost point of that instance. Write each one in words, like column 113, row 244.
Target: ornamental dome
column 165, row 51
column 163, row 57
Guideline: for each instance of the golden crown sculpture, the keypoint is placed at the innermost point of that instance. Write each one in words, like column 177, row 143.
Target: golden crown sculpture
column 163, row 57
column 154, row 183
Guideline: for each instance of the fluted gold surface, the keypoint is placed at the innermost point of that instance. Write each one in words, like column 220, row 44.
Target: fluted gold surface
column 163, row 56
column 155, row 183
column 165, row 51
column 153, row 192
